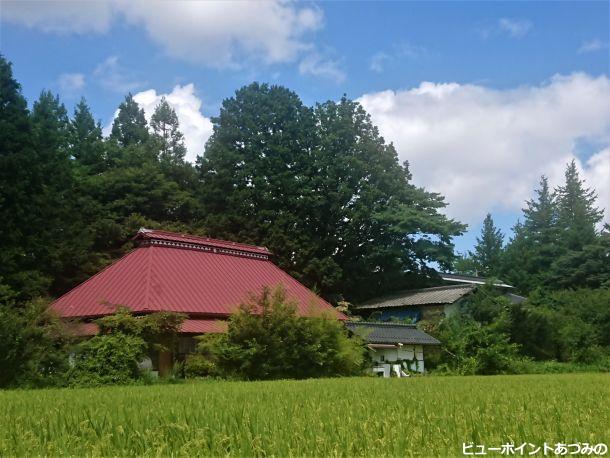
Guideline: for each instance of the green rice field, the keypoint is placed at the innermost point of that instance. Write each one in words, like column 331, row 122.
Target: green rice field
column 424, row 416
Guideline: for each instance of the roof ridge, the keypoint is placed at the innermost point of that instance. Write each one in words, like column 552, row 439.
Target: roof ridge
column 181, row 240
column 385, row 323
column 419, row 290
column 198, row 238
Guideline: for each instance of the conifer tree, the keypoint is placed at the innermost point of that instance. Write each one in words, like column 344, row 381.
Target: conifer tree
column 577, row 215
column 488, row 249
column 129, row 127
column 166, row 131
column 20, row 180
column 86, row 144
column 534, row 247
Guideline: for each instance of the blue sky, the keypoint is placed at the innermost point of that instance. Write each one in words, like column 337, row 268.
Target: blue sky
column 481, row 97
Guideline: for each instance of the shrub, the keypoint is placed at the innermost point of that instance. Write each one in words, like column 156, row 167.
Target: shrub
column 267, row 340
column 199, row 366
column 107, row 359
column 569, row 326
column 112, row 357
column 470, row 347
column 34, row 345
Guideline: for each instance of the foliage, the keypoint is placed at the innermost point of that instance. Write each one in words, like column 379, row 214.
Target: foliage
column 267, row 340
column 159, row 330
column 494, row 335
column 197, row 365
column 420, row 416
column 107, row 359
column 558, row 244
column 124, row 340
column 34, row 345
column 166, row 131
column 129, row 127
column 323, row 190
column 488, row 249
column 575, row 325
column 474, row 348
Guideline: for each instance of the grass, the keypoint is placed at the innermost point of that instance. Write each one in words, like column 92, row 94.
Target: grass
column 428, row 416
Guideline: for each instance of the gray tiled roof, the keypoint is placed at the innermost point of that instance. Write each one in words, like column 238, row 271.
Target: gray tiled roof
column 390, row 333
column 426, row 296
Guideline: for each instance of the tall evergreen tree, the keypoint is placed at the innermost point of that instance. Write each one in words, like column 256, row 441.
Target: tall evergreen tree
column 488, row 249
column 20, row 180
column 166, row 131
column 534, row 247
column 129, row 127
column 63, row 238
column 86, row 144
column 577, row 215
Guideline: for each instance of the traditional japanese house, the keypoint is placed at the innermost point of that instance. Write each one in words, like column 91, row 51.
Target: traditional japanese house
column 206, row 279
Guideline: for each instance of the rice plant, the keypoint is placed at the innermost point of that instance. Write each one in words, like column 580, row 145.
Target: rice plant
column 425, row 416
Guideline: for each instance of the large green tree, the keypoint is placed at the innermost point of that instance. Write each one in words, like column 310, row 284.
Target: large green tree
column 20, row 179
column 487, row 253
column 577, row 215
column 166, row 131
column 43, row 236
column 130, row 127
column 558, row 245
column 323, row 190
column 85, row 138
column 535, row 245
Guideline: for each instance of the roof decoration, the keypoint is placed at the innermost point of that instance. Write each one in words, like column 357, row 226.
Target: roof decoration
column 391, row 333
column 171, row 239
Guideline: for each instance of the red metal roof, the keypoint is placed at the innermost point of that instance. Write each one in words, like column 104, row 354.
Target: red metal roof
column 193, row 280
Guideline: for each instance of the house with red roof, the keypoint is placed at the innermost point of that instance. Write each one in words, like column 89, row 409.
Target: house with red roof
column 203, row 278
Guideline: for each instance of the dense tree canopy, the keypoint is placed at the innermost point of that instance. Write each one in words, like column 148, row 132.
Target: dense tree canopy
column 557, row 245
column 322, row 189
column 318, row 185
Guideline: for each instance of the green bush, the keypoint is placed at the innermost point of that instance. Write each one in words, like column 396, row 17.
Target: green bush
column 107, row 359
column 568, row 326
column 491, row 335
column 267, row 340
column 199, row 366
column 112, row 357
column 470, row 347
column 34, row 345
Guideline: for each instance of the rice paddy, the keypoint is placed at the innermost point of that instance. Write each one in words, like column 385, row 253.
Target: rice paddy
column 426, row 416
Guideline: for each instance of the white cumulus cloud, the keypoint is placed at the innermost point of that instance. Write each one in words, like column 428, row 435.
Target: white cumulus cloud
column 485, row 149
column 193, row 124
column 214, row 33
